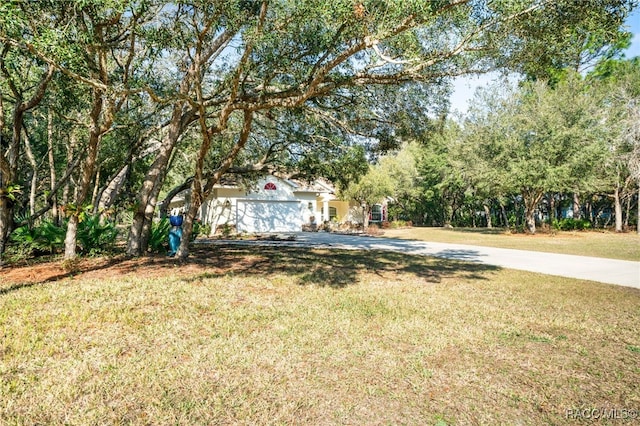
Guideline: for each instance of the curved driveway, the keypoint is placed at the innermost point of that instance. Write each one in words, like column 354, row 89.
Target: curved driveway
column 610, row 271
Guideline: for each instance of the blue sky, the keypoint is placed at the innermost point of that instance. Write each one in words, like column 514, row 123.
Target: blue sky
column 464, row 88
column 633, row 25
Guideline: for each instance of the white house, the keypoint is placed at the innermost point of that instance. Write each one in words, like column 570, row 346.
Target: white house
column 272, row 205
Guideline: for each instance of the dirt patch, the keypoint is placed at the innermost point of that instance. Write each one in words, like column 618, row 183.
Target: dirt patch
column 213, row 259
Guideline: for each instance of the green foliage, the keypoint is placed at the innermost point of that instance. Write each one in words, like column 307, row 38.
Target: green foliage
column 12, row 192
column 571, row 224
column 341, row 165
column 159, row 236
column 323, row 63
column 11, row 17
column 567, row 35
column 81, row 211
column 205, row 229
column 537, row 139
column 199, row 229
column 371, row 189
column 515, row 224
column 47, row 237
column 517, row 144
column 95, row 235
column 441, row 181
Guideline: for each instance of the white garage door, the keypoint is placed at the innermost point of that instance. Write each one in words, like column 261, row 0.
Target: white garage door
column 268, row 216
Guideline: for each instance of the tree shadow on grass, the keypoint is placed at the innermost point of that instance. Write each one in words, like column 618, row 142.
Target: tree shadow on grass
column 17, row 286
column 333, row 267
column 310, row 266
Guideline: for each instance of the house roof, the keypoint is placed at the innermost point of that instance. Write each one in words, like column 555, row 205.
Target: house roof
column 318, row 186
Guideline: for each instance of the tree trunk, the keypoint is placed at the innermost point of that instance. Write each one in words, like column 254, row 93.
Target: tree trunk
column 138, row 240
column 505, row 219
column 588, row 205
column 71, row 237
column 139, row 234
column 4, row 209
column 531, row 200
column 52, row 168
column 6, row 219
column 487, row 213
column 198, row 193
column 34, row 176
column 145, row 231
column 448, row 211
column 96, row 189
column 552, row 208
column 140, row 230
column 10, row 152
column 187, row 230
column 530, row 220
column 577, row 210
column 627, row 211
column 88, row 170
column 8, row 176
column 617, row 208
column 109, row 194
column 365, row 217
column 70, row 145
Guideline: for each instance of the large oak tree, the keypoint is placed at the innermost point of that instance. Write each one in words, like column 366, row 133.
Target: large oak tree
column 219, row 67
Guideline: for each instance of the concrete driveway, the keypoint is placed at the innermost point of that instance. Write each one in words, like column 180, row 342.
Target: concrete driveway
column 610, row 271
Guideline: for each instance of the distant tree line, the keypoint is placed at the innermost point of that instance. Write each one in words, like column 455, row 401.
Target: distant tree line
column 525, row 155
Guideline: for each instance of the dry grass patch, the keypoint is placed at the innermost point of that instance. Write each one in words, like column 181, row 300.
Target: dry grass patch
column 583, row 243
column 291, row 336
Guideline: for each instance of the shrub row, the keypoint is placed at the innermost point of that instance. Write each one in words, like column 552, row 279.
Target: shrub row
column 571, row 224
column 95, row 236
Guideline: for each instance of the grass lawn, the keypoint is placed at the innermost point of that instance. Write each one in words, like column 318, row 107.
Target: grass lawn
column 592, row 243
column 291, row 336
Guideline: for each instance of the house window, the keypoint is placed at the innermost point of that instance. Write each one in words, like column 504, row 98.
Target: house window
column 310, row 206
column 333, row 213
column 270, row 186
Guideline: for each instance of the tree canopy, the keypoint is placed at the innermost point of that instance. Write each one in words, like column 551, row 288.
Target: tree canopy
column 129, row 81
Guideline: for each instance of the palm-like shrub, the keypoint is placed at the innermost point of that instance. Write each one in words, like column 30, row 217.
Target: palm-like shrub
column 47, row 237
column 96, row 235
column 159, row 236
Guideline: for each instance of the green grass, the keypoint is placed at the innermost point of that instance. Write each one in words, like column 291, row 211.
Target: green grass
column 289, row 336
column 597, row 244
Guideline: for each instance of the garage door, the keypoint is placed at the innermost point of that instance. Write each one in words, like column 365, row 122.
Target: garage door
column 268, row 216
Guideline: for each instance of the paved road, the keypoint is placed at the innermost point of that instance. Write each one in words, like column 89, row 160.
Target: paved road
column 620, row 272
